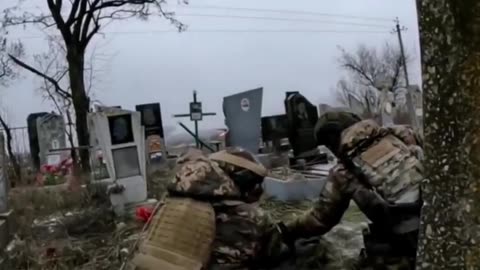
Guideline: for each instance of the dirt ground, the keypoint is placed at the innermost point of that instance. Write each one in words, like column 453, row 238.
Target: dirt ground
column 61, row 231
column 337, row 250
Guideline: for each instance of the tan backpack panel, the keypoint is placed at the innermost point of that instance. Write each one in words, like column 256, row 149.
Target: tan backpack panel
column 392, row 169
column 180, row 236
column 240, row 162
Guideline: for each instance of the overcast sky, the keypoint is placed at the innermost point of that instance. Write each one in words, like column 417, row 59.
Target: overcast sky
column 225, row 53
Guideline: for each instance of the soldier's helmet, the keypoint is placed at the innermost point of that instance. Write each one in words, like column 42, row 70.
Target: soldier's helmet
column 242, row 167
column 329, row 128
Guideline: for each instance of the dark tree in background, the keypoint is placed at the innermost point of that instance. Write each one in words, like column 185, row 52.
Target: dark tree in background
column 7, row 73
column 78, row 22
column 52, row 68
column 366, row 70
column 450, row 41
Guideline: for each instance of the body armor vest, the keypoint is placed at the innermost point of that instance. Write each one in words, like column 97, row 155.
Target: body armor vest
column 389, row 166
column 395, row 173
column 180, row 237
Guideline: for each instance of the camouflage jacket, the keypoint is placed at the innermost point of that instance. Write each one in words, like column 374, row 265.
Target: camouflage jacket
column 343, row 186
column 240, row 225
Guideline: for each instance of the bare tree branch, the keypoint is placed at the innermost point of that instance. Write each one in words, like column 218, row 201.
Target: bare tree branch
column 360, row 71
column 51, row 80
column 366, row 70
column 8, row 73
column 78, row 24
column 52, row 97
column 73, row 12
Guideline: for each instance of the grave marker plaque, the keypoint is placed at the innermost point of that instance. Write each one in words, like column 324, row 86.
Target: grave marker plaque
column 154, row 136
column 51, row 136
column 151, row 118
column 196, row 114
column 302, row 117
column 243, row 113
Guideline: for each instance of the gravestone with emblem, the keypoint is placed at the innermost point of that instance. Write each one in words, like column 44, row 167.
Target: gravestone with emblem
column 154, row 136
column 51, row 136
column 121, row 139
column 243, row 113
column 302, row 117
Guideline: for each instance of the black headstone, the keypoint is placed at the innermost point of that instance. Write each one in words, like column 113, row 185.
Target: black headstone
column 302, row 116
column 121, row 129
column 33, row 137
column 151, row 119
column 274, row 127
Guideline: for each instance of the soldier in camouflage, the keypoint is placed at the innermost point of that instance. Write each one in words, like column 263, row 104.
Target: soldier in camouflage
column 233, row 191
column 379, row 169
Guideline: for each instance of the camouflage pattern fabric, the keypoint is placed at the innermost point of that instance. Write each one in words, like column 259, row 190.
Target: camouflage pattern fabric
column 368, row 129
column 240, row 230
column 240, row 226
column 201, row 178
column 342, row 186
column 392, row 170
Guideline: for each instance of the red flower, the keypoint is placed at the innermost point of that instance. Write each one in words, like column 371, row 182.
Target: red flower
column 144, row 213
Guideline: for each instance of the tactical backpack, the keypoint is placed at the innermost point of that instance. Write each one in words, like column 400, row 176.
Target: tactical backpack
column 386, row 164
column 384, row 161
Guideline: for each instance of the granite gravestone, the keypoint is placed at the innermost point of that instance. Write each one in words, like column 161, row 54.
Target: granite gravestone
column 33, row 138
column 121, row 139
column 302, row 116
column 274, row 130
column 51, row 136
column 152, row 121
column 243, row 113
column 98, row 161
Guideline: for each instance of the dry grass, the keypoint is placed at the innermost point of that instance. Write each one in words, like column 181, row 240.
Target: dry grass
column 103, row 250
column 337, row 250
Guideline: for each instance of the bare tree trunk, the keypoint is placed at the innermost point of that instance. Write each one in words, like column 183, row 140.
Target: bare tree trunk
column 81, row 104
column 450, row 228
column 13, row 158
column 73, row 152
